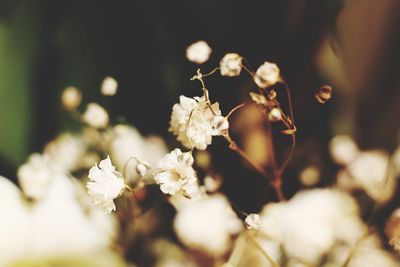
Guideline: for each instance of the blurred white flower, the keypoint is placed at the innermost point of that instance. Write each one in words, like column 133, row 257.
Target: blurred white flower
column 15, row 230
column 207, row 224
column 175, row 173
column 371, row 172
column 312, row 222
column 96, row 116
column 267, row 74
column 275, row 114
column 127, row 143
column 109, row 86
column 66, row 151
column 252, row 221
column 191, row 122
column 343, row 149
column 35, row 176
column 71, row 98
column 310, row 175
column 211, row 184
column 198, row 52
column 105, row 184
column 231, row 65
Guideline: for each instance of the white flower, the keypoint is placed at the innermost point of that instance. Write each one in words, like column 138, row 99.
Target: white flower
column 275, row 114
column 220, row 125
column 191, row 122
column 343, row 149
column 252, row 221
column 175, row 173
column 142, row 167
column 71, row 98
column 66, row 151
column 109, row 86
column 96, row 116
column 198, row 52
column 105, row 184
column 231, row 65
column 35, row 176
column 312, row 222
column 369, row 171
column 207, row 224
column 267, row 74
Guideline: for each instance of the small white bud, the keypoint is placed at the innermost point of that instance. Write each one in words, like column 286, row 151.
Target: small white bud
column 275, row 114
column 142, row 167
column 231, row 65
column 267, row 74
column 186, row 158
column 211, row 184
column 198, row 52
column 219, row 125
column 252, row 221
column 96, row 116
column 109, row 86
column 71, row 98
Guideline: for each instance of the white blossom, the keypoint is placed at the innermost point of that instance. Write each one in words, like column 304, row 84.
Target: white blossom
column 96, row 116
column 71, row 98
column 175, row 173
column 36, row 175
column 312, row 222
column 231, row 65
column 267, row 74
column 252, row 221
column 191, row 122
column 207, row 224
column 198, row 52
column 109, row 86
column 343, row 149
column 275, row 114
column 105, row 184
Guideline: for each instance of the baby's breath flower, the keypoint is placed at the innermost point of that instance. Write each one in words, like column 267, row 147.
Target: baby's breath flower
column 231, row 65
column 207, row 224
column 109, row 86
column 267, row 74
column 198, row 52
column 175, row 173
column 96, row 116
column 191, row 122
column 220, row 125
column 71, row 98
column 343, row 149
column 142, row 167
column 105, row 184
column 252, row 221
column 35, row 176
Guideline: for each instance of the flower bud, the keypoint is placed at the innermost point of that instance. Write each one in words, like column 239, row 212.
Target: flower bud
column 275, row 114
column 267, row 74
column 71, row 98
column 96, row 116
column 198, row 52
column 231, row 65
column 142, row 167
column 186, row 158
column 219, row 125
column 109, row 86
column 252, row 221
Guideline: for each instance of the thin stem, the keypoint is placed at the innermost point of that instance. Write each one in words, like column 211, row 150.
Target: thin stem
column 237, row 108
column 211, row 72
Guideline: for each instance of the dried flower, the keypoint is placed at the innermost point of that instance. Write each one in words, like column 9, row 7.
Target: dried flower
column 71, row 98
column 324, row 94
column 267, row 74
column 207, row 224
column 175, row 173
column 252, row 221
column 191, row 122
column 96, row 116
column 109, row 86
column 36, row 175
column 231, row 65
column 105, row 184
column 198, row 52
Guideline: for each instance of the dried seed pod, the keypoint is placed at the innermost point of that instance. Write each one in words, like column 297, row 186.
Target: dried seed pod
column 324, row 94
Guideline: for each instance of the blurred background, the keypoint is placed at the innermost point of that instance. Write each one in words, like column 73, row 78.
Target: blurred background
column 352, row 45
